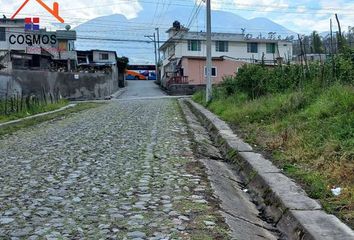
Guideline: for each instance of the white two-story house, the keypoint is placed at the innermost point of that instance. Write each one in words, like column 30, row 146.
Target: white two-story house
column 184, row 60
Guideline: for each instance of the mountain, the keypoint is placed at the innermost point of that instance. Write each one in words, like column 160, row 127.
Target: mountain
column 119, row 30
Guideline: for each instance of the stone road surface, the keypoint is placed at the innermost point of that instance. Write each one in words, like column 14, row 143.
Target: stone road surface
column 121, row 171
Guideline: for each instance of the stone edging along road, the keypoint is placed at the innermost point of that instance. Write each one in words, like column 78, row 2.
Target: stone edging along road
column 37, row 115
column 281, row 199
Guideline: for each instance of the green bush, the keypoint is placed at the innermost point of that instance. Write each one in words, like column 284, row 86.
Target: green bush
column 257, row 80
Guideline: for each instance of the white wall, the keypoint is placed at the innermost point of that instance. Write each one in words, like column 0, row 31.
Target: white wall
column 236, row 50
column 111, row 57
column 5, row 45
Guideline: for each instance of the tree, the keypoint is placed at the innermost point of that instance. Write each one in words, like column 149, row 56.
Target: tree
column 317, row 45
column 122, row 63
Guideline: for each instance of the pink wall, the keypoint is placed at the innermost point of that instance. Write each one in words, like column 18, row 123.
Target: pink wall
column 194, row 69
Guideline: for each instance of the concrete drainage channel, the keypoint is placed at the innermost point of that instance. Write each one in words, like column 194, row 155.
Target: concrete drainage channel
column 275, row 207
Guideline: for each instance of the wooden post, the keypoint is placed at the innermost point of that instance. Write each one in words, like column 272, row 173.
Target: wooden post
column 332, row 52
column 340, row 40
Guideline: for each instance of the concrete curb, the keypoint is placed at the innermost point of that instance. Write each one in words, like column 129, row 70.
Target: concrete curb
column 281, row 199
column 119, row 93
column 37, row 115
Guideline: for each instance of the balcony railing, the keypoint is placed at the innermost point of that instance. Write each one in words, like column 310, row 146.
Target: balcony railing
column 178, row 80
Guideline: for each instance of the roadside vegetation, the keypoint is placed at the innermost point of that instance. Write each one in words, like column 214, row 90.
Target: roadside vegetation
column 20, row 107
column 303, row 117
column 8, row 129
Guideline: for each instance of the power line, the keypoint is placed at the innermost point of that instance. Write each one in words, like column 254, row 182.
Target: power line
column 190, row 16
column 244, row 7
column 157, row 5
column 162, row 11
column 228, row 3
column 195, row 14
column 168, row 7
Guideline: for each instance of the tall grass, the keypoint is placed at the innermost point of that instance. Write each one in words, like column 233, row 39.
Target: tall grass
column 306, row 123
column 19, row 106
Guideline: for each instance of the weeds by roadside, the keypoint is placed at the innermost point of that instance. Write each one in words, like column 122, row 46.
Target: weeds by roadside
column 15, row 107
column 307, row 126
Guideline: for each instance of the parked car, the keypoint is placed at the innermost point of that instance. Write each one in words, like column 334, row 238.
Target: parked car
column 132, row 75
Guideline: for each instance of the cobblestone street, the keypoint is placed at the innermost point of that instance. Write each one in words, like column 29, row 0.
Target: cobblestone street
column 121, row 171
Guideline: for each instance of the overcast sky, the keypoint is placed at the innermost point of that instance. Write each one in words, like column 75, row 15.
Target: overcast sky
column 299, row 16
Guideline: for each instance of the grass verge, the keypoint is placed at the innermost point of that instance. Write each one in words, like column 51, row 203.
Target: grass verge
column 31, row 122
column 307, row 133
column 33, row 110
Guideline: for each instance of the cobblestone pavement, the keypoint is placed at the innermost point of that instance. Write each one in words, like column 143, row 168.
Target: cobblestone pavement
column 121, row 171
column 145, row 89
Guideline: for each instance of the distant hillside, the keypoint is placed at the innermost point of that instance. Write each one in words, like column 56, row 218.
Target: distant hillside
column 119, row 27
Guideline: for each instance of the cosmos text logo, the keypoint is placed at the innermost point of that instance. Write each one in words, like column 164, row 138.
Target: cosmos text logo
column 32, row 25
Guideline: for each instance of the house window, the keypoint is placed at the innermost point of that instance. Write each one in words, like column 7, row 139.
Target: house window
column 2, row 34
column 104, row 56
column 214, row 71
column 222, row 46
column 252, row 47
column 271, row 47
column 194, row 45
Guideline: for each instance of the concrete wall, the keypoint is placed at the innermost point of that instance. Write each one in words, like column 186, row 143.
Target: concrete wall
column 194, row 69
column 97, row 57
column 87, row 86
column 184, row 89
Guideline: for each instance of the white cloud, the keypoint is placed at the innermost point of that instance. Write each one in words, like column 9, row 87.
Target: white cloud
column 264, row 5
column 73, row 12
column 301, row 9
column 281, row 11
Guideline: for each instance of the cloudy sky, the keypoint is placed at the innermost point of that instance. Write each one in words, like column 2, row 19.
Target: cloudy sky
column 300, row 16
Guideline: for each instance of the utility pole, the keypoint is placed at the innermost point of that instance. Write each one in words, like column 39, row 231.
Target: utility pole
column 158, row 55
column 209, row 86
column 153, row 38
column 158, row 43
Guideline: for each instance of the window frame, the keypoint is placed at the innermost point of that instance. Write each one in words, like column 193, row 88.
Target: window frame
column 190, row 46
column 250, row 48
column 274, row 48
column 215, row 71
column 225, row 47
column 104, row 54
